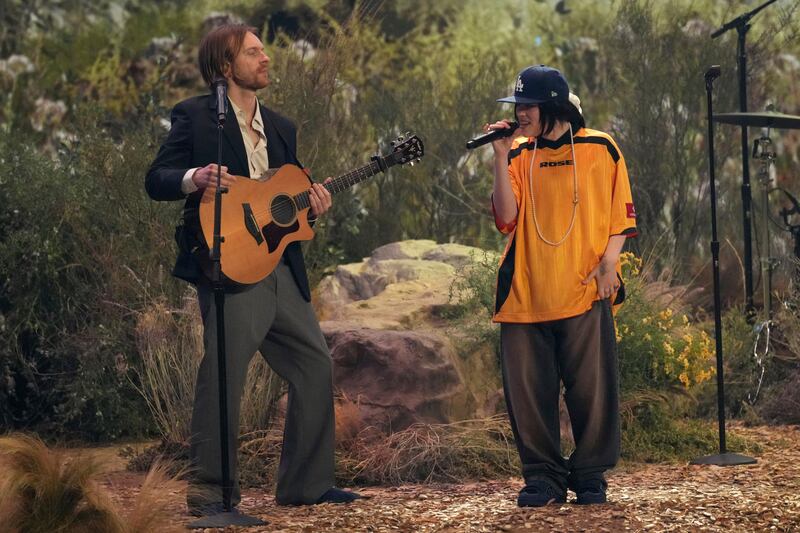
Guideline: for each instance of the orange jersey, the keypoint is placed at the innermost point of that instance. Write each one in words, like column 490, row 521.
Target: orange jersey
column 537, row 281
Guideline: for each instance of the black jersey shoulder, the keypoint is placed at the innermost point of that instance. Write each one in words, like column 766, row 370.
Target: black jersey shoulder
column 601, row 140
column 584, row 136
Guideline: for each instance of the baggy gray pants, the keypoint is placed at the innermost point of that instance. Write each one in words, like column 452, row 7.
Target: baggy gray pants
column 271, row 317
column 536, row 358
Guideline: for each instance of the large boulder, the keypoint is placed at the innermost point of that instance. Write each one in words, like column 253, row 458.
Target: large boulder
column 397, row 378
column 393, row 356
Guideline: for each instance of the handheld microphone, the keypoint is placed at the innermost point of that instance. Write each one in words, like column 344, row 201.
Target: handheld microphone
column 493, row 135
column 221, row 91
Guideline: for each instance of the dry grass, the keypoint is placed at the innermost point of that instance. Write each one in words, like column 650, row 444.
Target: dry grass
column 151, row 512
column 170, row 342
column 349, row 421
column 44, row 491
column 422, row 453
column 428, row 453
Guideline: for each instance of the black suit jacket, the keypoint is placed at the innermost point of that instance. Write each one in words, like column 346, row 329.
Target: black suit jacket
column 192, row 142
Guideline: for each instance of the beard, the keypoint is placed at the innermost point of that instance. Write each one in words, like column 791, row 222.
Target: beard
column 251, row 82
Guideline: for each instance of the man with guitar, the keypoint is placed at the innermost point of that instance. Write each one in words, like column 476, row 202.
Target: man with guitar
column 274, row 315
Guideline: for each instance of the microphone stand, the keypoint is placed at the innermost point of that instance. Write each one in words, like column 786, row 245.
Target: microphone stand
column 230, row 517
column 742, row 25
column 724, row 458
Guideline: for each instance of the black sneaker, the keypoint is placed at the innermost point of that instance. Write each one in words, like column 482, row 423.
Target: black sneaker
column 590, row 493
column 538, row 493
column 209, row 509
column 337, row 495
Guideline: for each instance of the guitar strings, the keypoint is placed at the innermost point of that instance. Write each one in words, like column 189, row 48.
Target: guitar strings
column 360, row 173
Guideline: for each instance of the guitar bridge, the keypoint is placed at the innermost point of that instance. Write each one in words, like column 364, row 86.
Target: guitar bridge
column 251, row 224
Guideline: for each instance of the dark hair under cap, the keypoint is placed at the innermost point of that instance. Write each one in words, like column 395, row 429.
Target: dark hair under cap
column 557, row 110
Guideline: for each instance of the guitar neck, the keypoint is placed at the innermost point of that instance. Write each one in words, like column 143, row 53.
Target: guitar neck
column 343, row 182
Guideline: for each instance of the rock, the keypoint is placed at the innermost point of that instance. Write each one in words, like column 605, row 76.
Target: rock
column 397, row 378
column 457, row 255
column 393, row 355
column 412, row 249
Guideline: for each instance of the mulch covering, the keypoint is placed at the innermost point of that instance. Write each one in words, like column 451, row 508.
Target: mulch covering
column 761, row 497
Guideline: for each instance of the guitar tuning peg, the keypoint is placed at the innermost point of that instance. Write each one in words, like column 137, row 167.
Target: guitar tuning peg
column 400, row 139
column 392, row 143
column 412, row 163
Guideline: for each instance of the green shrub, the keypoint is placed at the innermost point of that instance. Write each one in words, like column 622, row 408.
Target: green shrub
column 659, row 348
column 471, row 302
column 651, row 433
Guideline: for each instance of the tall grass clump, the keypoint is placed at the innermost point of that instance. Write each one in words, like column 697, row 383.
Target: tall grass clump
column 45, row 491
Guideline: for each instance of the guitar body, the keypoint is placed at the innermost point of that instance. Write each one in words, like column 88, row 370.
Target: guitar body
column 259, row 219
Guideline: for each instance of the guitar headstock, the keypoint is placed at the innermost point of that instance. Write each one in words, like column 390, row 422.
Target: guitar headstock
column 407, row 148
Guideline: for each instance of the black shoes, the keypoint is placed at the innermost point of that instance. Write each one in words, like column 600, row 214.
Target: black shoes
column 209, row 509
column 591, row 493
column 337, row 495
column 538, row 493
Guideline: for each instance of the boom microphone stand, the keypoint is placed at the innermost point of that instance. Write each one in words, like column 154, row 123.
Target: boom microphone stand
column 742, row 25
column 230, row 517
column 724, row 458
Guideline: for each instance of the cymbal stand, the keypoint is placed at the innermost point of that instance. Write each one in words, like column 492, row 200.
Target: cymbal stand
column 764, row 153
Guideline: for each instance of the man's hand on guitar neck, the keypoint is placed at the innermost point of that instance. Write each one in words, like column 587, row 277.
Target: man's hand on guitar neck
column 207, row 177
column 320, row 198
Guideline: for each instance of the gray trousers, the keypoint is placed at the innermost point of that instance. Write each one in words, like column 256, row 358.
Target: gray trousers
column 271, row 317
column 536, row 358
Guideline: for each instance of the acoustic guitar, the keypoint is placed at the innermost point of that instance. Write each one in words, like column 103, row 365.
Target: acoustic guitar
column 260, row 218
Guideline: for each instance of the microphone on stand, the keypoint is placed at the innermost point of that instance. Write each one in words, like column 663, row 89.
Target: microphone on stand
column 493, row 135
column 220, row 86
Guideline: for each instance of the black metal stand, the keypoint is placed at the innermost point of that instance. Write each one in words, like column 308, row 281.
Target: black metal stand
column 724, row 458
column 742, row 25
column 231, row 517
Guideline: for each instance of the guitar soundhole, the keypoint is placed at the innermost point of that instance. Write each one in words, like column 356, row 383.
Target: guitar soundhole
column 283, row 210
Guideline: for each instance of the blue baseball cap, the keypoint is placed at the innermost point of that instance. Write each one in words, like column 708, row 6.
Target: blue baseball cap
column 539, row 84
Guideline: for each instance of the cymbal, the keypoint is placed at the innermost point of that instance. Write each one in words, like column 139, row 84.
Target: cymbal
column 764, row 119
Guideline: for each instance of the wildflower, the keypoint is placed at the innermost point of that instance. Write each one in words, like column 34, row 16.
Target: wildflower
column 15, row 65
column 48, row 114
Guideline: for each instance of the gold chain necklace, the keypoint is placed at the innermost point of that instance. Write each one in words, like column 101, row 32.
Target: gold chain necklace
column 574, row 197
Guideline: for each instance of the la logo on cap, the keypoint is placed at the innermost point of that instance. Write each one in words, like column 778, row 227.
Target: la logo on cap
column 518, row 87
